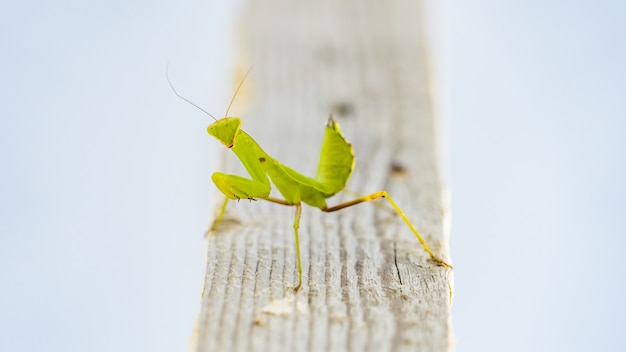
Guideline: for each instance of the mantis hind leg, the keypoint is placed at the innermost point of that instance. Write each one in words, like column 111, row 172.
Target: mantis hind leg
column 386, row 195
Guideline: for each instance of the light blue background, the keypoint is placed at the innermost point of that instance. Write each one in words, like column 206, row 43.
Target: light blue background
column 537, row 122
column 105, row 192
column 105, row 173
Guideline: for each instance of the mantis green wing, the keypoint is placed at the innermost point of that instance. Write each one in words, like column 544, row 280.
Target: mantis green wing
column 336, row 160
column 333, row 172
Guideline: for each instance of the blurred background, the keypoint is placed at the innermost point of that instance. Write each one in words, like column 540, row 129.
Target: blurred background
column 105, row 190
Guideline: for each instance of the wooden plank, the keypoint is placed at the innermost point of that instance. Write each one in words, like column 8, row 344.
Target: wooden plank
column 368, row 283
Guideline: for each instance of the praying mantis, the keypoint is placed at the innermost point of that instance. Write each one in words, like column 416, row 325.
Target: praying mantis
column 335, row 167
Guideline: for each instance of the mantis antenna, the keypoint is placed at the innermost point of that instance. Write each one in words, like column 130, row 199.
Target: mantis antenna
column 237, row 90
column 187, row 100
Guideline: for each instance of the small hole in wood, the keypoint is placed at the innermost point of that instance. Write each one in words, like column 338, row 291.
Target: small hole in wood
column 398, row 169
column 342, row 109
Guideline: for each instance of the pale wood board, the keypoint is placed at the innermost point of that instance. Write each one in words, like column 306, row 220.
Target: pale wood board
column 368, row 283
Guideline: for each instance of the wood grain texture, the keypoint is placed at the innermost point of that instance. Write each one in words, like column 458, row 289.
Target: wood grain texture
column 368, row 284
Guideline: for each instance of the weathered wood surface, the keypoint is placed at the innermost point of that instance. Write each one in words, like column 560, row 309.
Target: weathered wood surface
column 368, row 284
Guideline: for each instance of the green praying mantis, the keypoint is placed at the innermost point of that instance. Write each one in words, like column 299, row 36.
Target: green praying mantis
column 334, row 169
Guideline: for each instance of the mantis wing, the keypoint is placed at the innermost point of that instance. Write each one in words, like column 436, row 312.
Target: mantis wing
column 334, row 170
column 336, row 160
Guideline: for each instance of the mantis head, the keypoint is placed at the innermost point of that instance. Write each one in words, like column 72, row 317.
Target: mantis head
column 225, row 130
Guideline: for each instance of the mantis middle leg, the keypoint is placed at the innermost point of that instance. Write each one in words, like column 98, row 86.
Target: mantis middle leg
column 296, row 226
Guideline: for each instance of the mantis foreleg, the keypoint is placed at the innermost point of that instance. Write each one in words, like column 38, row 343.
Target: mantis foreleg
column 237, row 187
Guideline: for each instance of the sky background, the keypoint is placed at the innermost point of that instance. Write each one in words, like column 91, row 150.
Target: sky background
column 105, row 192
